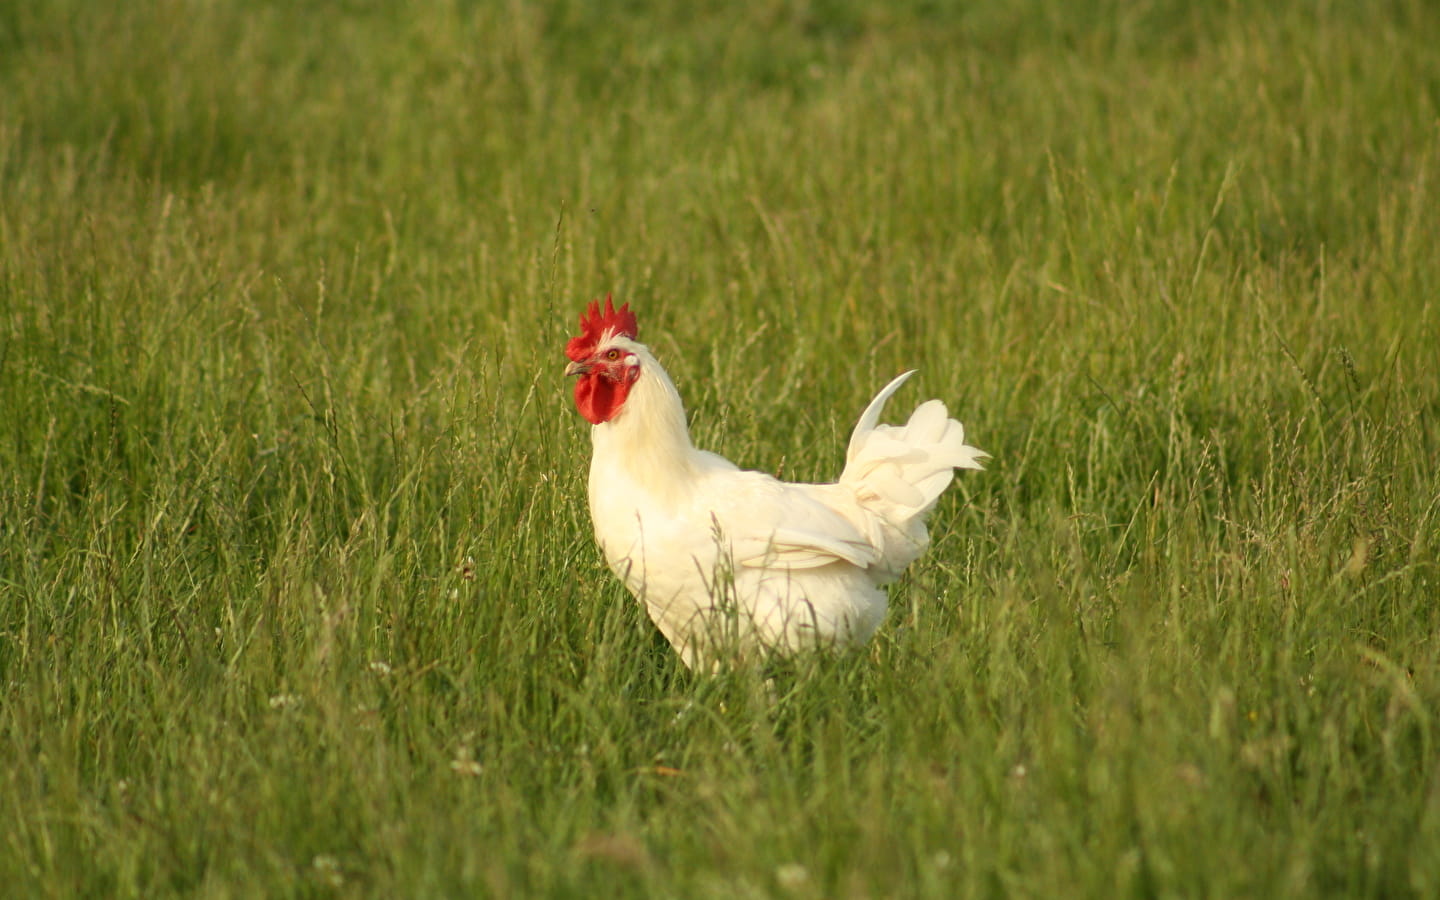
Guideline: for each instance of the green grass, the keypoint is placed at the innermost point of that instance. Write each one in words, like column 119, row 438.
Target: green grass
column 297, row 590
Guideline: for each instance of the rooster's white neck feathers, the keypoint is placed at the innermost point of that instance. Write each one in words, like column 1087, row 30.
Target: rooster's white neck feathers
column 649, row 437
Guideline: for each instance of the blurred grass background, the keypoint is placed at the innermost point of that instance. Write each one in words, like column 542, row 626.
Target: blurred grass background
column 297, row 590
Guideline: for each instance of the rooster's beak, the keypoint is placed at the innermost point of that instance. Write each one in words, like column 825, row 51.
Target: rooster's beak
column 577, row 368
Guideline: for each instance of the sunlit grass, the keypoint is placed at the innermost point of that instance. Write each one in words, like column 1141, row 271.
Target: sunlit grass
column 297, row 590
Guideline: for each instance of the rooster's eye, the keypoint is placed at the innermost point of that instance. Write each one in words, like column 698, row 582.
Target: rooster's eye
column 613, row 355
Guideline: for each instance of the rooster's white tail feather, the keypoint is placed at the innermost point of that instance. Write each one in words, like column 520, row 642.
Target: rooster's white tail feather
column 898, row 472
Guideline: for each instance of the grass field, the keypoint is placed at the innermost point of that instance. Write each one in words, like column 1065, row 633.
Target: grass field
column 298, row 595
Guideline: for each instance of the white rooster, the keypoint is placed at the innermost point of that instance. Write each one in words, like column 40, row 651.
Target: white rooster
column 728, row 561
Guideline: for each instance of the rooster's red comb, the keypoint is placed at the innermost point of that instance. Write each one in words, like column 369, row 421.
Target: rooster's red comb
column 597, row 325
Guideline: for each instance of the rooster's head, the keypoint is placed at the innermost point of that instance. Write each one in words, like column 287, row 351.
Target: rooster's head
column 604, row 357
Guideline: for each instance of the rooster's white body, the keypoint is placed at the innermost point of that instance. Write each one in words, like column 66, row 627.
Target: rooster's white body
column 728, row 561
